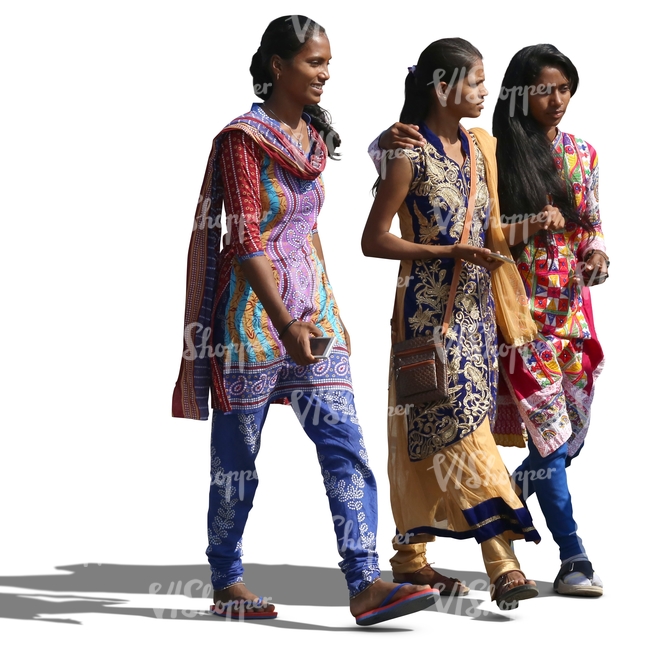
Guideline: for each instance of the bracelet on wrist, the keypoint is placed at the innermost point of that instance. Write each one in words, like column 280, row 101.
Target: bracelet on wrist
column 286, row 327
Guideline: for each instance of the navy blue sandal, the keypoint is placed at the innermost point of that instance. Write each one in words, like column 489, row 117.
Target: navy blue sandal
column 410, row 604
column 594, row 588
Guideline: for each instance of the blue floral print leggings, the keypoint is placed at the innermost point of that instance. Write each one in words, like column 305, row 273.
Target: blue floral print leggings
column 330, row 420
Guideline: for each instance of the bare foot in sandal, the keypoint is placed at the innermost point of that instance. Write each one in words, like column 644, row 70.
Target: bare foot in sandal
column 373, row 597
column 427, row 575
column 237, row 601
column 511, row 587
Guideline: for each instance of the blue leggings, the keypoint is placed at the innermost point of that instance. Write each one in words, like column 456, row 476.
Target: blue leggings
column 330, row 420
column 547, row 478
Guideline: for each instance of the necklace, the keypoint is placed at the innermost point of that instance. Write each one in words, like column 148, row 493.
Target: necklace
column 297, row 137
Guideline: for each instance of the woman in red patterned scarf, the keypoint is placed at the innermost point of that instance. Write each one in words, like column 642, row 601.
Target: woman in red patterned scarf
column 252, row 309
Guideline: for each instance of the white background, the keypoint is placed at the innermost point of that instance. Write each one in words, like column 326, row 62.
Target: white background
column 109, row 112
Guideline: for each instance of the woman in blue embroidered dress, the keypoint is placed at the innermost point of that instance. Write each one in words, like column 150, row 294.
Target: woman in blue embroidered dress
column 258, row 302
column 446, row 475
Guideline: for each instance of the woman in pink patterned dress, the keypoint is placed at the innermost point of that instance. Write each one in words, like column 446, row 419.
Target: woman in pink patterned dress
column 548, row 190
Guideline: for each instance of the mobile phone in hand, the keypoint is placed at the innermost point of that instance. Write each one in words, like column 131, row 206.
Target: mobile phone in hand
column 321, row 346
column 503, row 258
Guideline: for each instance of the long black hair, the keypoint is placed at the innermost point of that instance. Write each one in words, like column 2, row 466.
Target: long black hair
column 286, row 36
column 443, row 60
column 527, row 171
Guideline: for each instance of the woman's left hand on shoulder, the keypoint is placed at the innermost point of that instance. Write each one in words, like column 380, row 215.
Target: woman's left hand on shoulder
column 401, row 136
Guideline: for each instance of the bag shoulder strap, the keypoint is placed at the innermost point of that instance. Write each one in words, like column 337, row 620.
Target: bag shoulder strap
column 465, row 235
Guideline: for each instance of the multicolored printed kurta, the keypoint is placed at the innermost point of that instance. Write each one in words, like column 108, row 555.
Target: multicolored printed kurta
column 280, row 213
column 434, row 213
column 552, row 377
column 270, row 209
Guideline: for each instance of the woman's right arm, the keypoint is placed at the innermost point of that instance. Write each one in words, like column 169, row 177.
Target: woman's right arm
column 378, row 241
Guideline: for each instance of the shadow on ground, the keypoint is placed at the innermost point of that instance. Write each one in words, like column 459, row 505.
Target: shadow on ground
column 283, row 584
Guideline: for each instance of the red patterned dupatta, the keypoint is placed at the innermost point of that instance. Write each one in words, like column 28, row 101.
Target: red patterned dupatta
column 195, row 379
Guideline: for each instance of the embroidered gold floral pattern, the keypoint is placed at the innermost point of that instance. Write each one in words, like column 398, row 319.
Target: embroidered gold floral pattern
column 437, row 204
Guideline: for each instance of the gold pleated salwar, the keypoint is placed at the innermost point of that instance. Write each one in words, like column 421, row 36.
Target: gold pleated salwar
column 435, row 492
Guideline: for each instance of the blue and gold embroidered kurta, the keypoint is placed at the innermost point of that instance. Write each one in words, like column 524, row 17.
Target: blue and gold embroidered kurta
column 434, row 213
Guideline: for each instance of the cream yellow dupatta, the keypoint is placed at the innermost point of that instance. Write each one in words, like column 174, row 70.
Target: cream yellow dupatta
column 511, row 303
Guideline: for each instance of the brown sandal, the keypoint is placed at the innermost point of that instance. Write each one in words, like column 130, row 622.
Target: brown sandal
column 427, row 575
column 508, row 598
